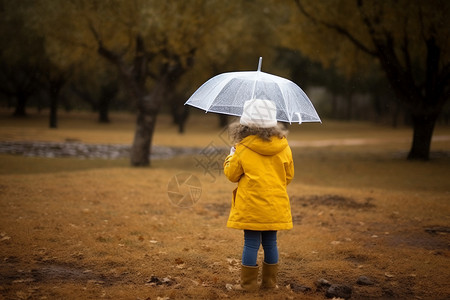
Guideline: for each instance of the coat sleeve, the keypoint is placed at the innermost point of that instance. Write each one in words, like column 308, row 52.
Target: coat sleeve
column 289, row 168
column 232, row 168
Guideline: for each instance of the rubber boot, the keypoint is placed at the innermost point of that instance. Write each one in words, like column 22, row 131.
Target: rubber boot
column 269, row 276
column 249, row 278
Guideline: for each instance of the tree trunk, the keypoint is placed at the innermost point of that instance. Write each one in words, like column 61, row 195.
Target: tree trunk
column 349, row 114
column 103, row 115
column 148, row 109
column 395, row 114
column 55, row 87
column 183, row 118
column 21, row 105
column 103, row 110
column 179, row 111
column 349, row 95
column 108, row 92
column 334, row 105
column 53, row 111
column 145, row 126
column 423, row 126
column 223, row 121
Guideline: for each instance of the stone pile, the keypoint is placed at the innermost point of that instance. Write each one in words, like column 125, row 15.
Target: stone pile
column 81, row 150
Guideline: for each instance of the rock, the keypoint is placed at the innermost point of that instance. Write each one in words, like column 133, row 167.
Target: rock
column 298, row 288
column 322, row 283
column 339, row 291
column 364, row 280
column 437, row 229
column 154, row 280
column 388, row 293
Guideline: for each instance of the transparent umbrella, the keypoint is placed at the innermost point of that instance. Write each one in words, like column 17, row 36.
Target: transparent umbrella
column 226, row 94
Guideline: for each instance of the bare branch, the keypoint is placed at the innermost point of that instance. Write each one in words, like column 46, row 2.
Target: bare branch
column 422, row 25
column 117, row 59
column 339, row 29
column 106, row 53
column 405, row 50
column 95, row 33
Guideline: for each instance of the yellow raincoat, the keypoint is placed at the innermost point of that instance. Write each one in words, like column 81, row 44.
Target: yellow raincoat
column 262, row 169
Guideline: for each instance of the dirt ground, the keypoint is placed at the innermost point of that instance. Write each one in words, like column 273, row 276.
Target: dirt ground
column 99, row 229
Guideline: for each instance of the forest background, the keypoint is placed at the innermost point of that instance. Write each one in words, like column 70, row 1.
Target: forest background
column 385, row 61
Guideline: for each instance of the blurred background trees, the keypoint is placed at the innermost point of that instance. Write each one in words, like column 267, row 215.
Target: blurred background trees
column 408, row 39
column 21, row 57
column 386, row 61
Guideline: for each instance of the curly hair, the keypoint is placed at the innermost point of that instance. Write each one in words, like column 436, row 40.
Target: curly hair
column 238, row 132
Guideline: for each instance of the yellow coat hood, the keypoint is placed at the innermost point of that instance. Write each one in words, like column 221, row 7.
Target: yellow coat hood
column 262, row 169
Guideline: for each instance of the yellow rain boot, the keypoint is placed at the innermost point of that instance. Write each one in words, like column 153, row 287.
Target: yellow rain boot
column 249, row 278
column 269, row 276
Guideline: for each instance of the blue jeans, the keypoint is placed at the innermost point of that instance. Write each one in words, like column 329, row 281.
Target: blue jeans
column 252, row 240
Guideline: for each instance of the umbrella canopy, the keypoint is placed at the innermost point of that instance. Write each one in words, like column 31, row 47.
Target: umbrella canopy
column 226, row 94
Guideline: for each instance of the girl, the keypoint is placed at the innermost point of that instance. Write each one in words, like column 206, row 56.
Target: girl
column 261, row 163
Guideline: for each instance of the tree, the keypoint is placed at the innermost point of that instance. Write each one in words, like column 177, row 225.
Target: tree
column 28, row 63
column 152, row 44
column 18, row 81
column 244, row 35
column 97, row 85
column 409, row 39
column 21, row 55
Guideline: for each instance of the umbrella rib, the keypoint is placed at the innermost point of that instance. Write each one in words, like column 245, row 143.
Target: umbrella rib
column 209, row 104
column 312, row 116
column 254, row 85
column 285, row 105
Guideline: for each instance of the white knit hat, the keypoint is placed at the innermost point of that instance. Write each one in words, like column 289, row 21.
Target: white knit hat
column 259, row 113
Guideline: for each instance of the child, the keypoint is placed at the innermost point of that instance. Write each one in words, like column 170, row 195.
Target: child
column 261, row 163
